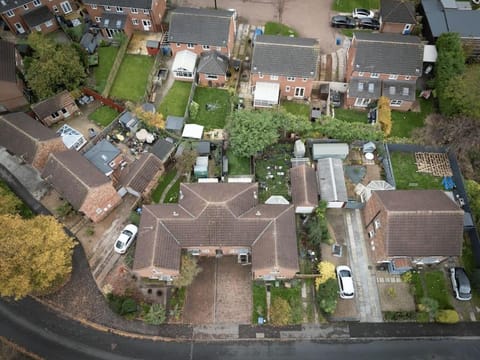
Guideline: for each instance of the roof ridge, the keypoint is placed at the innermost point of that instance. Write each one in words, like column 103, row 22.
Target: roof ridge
column 14, row 125
column 267, row 225
column 70, row 171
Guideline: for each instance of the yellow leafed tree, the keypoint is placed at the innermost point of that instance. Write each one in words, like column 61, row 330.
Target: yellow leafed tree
column 385, row 115
column 35, row 255
column 150, row 119
column 326, row 270
column 9, row 203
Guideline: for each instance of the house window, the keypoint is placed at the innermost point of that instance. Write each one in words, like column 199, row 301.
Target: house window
column 25, row 6
column 396, row 102
column 391, row 90
column 290, row 78
column 178, row 44
column 287, row 88
column 49, row 23
column 107, row 8
column 37, row 3
column 299, row 92
column 55, row 8
column 206, row 47
column 190, row 46
column 374, row 75
column 376, row 224
column 135, row 21
column 10, row 13
column 93, row 6
column 212, row 77
column 66, row 7
column 38, row 28
column 304, row 79
column 362, row 102
column 98, row 19
column 219, row 48
column 371, row 87
column 407, row 77
column 260, row 75
column 134, row 10
column 392, row 77
column 371, row 234
column 146, row 11
column 360, row 86
column 273, row 77
column 361, row 73
column 119, row 9
column 55, row 115
column 405, row 91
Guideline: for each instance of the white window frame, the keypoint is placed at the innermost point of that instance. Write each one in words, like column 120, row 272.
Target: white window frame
column 49, row 23
column 25, row 6
column 408, row 77
column 362, row 102
column 304, row 79
column 134, row 10
column 374, row 75
column 93, row 6
column 107, row 8
column 361, row 73
column 211, row 77
column 38, row 28
column 376, row 224
column 260, row 75
column 206, row 47
column 178, row 44
column 135, row 21
column 37, row 3
column 98, row 19
column 371, row 234
column 299, row 92
column 219, row 48
column 66, row 7
column 273, row 77
column 146, row 11
column 396, row 102
column 55, row 9
column 10, row 13
column 290, row 78
column 405, row 91
column 190, row 46
column 119, row 9
column 287, row 88
column 392, row 77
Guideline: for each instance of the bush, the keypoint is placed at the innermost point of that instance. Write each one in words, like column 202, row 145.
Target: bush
column 121, row 305
column 129, row 306
column 156, row 315
column 399, row 315
column 280, row 312
column 423, row 317
column 327, row 296
column 447, row 317
column 429, row 306
column 193, row 110
column 326, row 270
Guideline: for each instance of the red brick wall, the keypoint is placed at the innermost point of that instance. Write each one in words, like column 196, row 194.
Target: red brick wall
column 203, row 81
column 44, row 149
column 282, row 80
column 371, row 213
column 397, row 28
column 102, row 197
column 197, row 49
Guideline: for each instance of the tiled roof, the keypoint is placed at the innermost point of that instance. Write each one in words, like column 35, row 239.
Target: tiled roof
column 162, row 149
column 73, row 176
column 399, row 90
column 369, row 88
column 331, row 180
column 421, row 223
column 388, row 54
column 304, row 186
column 21, row 134
column 217, row 215
column 141, row 172
column 213, row 62
column 102, row 154
column 139, row 4
column 12, row 4
column 200, row 26
column 397, row 11
column 281, row 55
column 37, row 16
column 46, row 107
column 7, row 62
column 113, row 21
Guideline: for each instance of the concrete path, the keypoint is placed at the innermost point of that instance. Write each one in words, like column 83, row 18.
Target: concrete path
column 367, row 298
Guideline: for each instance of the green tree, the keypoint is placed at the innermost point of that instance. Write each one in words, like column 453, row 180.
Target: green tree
column 461, row 94
column 280, row 312
column 53, row 67
column 473, row 191
column 156, row 315
column 188, row 271
column 317, row 228
column 35, row 255
column 327, row 296
column 349, row 131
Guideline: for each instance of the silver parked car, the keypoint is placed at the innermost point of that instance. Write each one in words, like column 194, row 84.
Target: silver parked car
column 125, row 239
column 460, row 283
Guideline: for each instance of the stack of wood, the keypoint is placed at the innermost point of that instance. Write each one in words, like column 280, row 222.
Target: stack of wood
column 436, row 164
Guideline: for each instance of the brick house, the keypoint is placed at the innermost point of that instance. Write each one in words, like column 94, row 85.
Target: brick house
column 126, row 16
column 382, row 64
column 423, row 226
column 55, row 109
column 28, row 139
column 81, row 184
column 215, row 220
column 200, row 30
column 288, row 65
column 11, row 87
column 212, row 69
column 24, row 16
column 397, row 16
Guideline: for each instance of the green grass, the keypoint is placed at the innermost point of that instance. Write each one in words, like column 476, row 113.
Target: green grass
column 296, row 108
column 172, row 194
column 436, row 288
column 106, row 58
column 103, row 116
column 293, row 296
column 175, row 102
column 349, row 5
column 212, row 119
column 406, row 175
column 418, row 292
column 259, row 294
column 273, row 28
column 238, row 165
column 162, row 184
column 131, row 80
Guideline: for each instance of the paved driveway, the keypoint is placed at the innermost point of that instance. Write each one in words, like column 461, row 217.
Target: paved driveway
column 311, row 18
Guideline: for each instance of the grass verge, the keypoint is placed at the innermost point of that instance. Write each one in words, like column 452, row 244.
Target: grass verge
column 349, row 5
column 259, row 294
column 274, row 28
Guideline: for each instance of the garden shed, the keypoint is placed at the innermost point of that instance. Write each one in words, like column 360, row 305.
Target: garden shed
column 331, row 182
column 200, row 169
column 153, row 47
column 193, row 131
column 129, row 121
column 175, row 124
column 163, row 149
column 266, row 94
column 330, row 150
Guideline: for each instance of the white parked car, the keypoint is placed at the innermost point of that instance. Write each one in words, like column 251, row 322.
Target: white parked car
column 360, row 13
column 460, row 284
column 345, row 282
column 126, row 238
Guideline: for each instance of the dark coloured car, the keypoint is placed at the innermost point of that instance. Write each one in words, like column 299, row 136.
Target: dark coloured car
column 460, row 283
column 369, row 23
column 341, row 21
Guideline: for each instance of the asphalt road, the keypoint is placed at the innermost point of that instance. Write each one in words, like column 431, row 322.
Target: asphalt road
column 43, row 332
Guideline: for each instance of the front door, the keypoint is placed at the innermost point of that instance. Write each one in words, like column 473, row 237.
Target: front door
column 147, row 24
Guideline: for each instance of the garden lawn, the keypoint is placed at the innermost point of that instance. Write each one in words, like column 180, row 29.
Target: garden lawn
column 106, row 58
column 131, row 81
column 162, row 184
column 435, row 282
column 172, row 195
column 259, row 294
column 175, row 102
column 238, row 165
column 406, row 175
column 349, row 5
column 296, row 108
column 273, row 28
column 218, row 99
column 103, row 116
column 293, row 296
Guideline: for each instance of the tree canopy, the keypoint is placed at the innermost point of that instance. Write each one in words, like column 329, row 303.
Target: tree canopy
column 54, row 67
column 385, row 115
column 35, row 255
column 349, row 131
column 9, row 203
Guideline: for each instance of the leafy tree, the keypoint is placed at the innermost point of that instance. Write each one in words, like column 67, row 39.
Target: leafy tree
column 185, row 162
column 152, row 120
column 35, row 255
column 156, row 315
column 327, row 296
column 461, row 94
column 385, row 115
column 188, row 271
column 53, row 68
column 473, row 191
column 317, row 227
column 9, row 203
column 326, row 270
column 280, row 312
column 349, row 131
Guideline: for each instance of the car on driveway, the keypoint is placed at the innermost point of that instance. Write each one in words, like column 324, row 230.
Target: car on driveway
column 126, row 238
column 345, row 282
column 359, row 13
column 342, row 21
column 460, row 283
column 369, row 23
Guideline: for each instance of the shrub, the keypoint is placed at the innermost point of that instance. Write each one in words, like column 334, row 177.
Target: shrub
column 129, row 306
column 407, row 277
column 428, row 305
column 399, row 315
column 121, row 305
column 156, row 315
column 327, row 294
column 193, row 110
column 64, row 210
column 134, row 218
column 423, row 317
column 280, row 312
column 326, row 270
column 447, row 317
